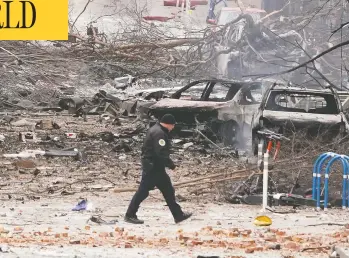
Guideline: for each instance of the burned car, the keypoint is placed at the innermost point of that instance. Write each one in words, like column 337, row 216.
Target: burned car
column 287, row 110
column 221, row 110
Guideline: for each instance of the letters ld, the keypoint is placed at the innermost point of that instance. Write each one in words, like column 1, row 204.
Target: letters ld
column 7, row 8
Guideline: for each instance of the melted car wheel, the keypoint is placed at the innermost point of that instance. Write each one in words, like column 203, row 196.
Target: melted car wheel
column 229, row 132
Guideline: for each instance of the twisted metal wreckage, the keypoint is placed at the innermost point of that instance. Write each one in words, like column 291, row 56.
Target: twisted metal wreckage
column 226, row 111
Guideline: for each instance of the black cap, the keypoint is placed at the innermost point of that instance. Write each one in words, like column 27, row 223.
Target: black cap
column 168, row 119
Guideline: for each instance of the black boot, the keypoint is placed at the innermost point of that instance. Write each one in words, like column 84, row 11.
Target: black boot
column 185, row 215
column 133, row 219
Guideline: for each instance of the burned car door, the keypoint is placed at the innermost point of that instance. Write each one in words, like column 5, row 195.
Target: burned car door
column 244, row 104
column 256, row 117
column 249, row 100
column 240, row 109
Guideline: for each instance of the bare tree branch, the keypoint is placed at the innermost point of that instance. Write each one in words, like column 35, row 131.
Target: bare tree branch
column 86, row 5
column 305, row 63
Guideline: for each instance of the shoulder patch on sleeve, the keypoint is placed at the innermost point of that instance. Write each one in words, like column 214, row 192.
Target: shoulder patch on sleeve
column 162, row 142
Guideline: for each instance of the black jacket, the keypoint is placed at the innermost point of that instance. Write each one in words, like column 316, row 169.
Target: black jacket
column 156, row 150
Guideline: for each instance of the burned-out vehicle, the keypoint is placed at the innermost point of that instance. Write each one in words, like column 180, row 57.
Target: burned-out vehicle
column 221, row 110
column 287, row 110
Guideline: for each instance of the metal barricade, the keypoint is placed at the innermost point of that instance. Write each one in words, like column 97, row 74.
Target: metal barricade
column 318, row 171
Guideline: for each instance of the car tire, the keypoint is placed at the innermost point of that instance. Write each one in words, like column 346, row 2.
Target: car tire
column 229, row 133
column 342, row 131
column 340, row 137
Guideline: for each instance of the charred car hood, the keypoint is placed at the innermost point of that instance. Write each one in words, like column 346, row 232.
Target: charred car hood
column 301, row 118
column 187, row 111
column 178, row 104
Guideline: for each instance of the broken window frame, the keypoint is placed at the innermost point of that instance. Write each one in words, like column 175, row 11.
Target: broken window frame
column 273, row 93
column 178, row 93
column 241, row 94
column 205, row 95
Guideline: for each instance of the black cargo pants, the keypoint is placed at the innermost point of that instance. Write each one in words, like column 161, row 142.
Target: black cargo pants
column 162, row 181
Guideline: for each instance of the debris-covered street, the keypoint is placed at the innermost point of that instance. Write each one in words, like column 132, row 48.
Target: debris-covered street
column 249, row 97
column 51, row 161
column 48, row 228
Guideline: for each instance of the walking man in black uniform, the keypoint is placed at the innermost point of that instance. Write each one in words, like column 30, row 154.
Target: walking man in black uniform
column 155, row 158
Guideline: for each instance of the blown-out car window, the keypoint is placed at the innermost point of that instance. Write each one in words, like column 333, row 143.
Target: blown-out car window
column 302, row 102
column 219, row 92
column 194, row 92
column 251, row 95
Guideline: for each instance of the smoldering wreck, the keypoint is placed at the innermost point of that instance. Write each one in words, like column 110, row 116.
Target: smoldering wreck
column 227, row 112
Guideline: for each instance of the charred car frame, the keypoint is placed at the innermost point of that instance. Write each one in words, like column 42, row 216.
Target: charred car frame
column 233, row 112
column 287, row 110
column 220, row 109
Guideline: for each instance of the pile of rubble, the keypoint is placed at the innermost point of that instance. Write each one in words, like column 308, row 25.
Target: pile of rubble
column 107, row 128
column 73, row 144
